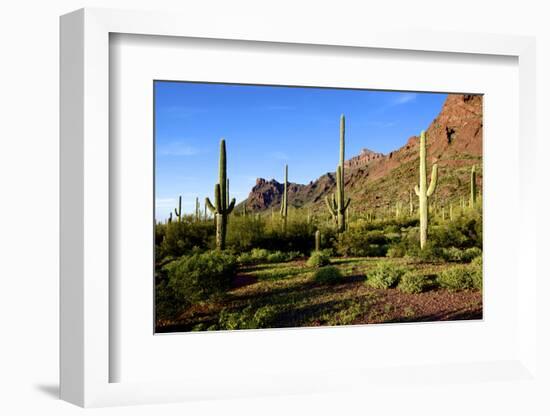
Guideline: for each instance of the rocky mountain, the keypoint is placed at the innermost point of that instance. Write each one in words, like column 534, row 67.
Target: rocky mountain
column 374, row 180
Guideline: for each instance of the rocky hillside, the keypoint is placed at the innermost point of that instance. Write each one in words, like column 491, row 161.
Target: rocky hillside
column 375, row 181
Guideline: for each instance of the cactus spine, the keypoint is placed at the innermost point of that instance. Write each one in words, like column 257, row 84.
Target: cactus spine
column 284, row 202
column 317, row 240
column 473, row 190
column 221, row 209
column 339, row 204
column 177, row 211
column 423, row 191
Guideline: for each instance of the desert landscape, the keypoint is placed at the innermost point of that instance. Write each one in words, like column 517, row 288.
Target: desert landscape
column 385, row 237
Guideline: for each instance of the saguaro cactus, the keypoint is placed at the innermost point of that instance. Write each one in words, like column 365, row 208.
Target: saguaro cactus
column 338, row 205
column 197, row 209
column 473, row 186
column 221, row 209
column 411, row 206
column 424, row 192
column 177, row 211
column 170, row 217
column 317, row 240
column 284, row 201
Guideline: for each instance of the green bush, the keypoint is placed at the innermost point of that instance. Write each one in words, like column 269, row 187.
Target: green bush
column 244, row 233
column 396, row 251
column 471, row 253
column 261, row 255
column 385, row 275
column 276, row 257
column 180, row 238
column 477, row 272
column 248, row 318
column 461, row 255
column 412, row 282
column 318, row 259
column 457, row 278
column 358, row 241
column 199, row 276
column 328, row 274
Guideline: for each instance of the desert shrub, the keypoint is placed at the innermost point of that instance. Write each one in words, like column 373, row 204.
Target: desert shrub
column 276, row 257
column 293, row 255
column 471, row 253
column 261, row 255
column 166, row 302
column 199, row 276
column 248, row 318
column 318, row 259
column 180, row 238
column 244, row 233
column 459, row 255
column 360, row 242
column 328, row 274
column 412, row 282
column 385, row 275
column 456, row 278
column 395, row 251
column 477, row 272
column 463, row 232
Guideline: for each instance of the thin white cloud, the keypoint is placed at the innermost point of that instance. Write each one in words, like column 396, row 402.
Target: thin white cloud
column 177, row 149
column 180, row 111
column 403, row 98
column 165, row 202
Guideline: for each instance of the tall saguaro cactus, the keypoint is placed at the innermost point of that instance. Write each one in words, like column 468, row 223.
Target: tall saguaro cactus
column 197, row 210
column 317, row 240
column 473, row 188
column 423, row 191
column 338, row 205
column 177, row 211
column 221, row 209
column 284, row 201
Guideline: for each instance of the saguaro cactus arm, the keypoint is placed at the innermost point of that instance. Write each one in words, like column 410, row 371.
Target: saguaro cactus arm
column 229, row 209
column 330, row 205
column 416, row 190
column 346, row 205
column 433, row 181
column 209, row 205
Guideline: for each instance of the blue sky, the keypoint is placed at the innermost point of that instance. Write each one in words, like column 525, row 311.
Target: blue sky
column 266, row 127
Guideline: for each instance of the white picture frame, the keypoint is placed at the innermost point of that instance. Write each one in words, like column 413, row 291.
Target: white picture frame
column 85, row 351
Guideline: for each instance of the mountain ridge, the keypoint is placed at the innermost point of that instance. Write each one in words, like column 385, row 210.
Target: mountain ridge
column 377, row 180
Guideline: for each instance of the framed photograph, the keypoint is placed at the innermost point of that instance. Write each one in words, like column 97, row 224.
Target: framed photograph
column 275, row 212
